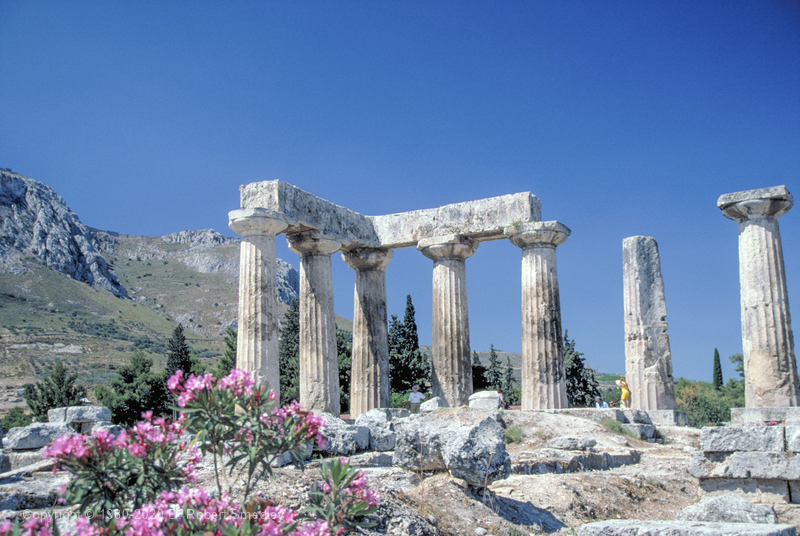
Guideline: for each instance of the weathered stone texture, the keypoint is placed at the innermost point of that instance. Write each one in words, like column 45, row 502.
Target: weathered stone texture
column 319, row 372
column 543, row 377
column 257, row 338
column 79, row 414
column 728, row 509
column 767, row 341
column 369, row 385
column 36, row 435
column 452, row 365
column 635, row 527
column 742, row 439
column 484, row 400
column 648, row 361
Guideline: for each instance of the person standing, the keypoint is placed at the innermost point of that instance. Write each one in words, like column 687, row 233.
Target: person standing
column 625, row 398
column 415, row 399
column 501, row 401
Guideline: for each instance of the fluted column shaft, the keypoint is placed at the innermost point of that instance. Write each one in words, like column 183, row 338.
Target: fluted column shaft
column 543, row 377
column 767, row 341
column 452, row 367
column 257, row 338
column 369, row 378
column 319, row 371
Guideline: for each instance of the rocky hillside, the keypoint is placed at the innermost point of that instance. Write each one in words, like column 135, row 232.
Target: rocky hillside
column 37, row 221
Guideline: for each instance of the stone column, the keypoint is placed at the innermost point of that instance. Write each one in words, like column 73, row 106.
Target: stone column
column 543, row 378
column 648, row 361
column 452, row 366
column 257, row 339
column 770, row 369
column 369, row 379
column 319, row 372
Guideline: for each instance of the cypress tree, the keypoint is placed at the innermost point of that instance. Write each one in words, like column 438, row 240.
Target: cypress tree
column 493, row 374
column 582, row 386
column 344, row 355
column 479, row 382
column 178, row 354
column 407, row 364
column 509, row 382
column 228, row 361
column 289, row 354
column 717, row 371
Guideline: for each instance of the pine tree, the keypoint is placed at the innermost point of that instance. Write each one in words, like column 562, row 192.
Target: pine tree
column 582, row 386
column 134, row 390
column 407, row 364
column 493, row 374
column 479, row 382
column 228, row 361
column 717, row 371
column 344, row 355
column 56, row 391
column 509, row 382
column 289, row 354
column 179, row 355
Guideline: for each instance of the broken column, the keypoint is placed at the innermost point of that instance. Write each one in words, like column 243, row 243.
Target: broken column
column 319, row 372
column 257, row 339
column 543, row 377
column 369, row 380
column 648, row 361
column 452, row 366
column 770, row 369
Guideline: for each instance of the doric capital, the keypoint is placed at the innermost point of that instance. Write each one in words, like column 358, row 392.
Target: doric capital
column 770, row 203
column 368, row 258
column 447, row 247
column 256, row 221
column 541, row 233
column 312, row 243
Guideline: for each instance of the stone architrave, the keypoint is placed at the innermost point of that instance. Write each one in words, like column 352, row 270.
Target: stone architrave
column 319, row 372
column 543, row 377
column 257, row 339
column 452, row 366
column 369, row 380
column 648, row 361
column 770, row 369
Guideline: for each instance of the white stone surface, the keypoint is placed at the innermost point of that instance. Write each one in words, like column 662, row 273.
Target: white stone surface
column 484, row 400
column 257, row 338
column 452, row 364
column 635, row 527
column 369, row 380
column 319, row 372
column 767, row 342
column 543, row 376
column 648, row 360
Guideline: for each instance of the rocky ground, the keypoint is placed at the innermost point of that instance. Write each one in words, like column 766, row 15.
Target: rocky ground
column 427, row 503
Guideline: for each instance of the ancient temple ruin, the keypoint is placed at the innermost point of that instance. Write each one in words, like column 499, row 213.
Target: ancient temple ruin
column 770, row 369
column 448, row 235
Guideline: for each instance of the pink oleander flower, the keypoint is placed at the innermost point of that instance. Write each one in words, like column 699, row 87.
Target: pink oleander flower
column 6, row 526
column 66, row 446
column 238, row 381
column 317, row 528
column 175, row 380
column 38, row 526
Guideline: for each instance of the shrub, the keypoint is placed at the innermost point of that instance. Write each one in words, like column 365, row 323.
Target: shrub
column 514, row 434
column 615, row 426
column 14, row 418
column 56, row 391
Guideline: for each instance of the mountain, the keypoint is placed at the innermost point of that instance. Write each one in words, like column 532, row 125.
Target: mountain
column 91, row 297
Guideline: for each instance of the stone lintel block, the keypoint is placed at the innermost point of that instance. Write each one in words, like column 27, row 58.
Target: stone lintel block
column 543, row 233
column 636, row 527
column 763, row 465
column 484, row 400
column 764, row 202
column 758, row 490
column 742, row 439
column 785, row 414
column 667, row 417
column 482, row 219
column 79, row 414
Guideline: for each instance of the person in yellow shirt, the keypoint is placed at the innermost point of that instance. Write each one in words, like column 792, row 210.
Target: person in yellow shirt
column 625, row 399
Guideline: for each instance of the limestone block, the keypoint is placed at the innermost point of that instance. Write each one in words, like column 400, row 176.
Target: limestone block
column 794, row 491
column 648, row 360
column 470, row 444
column 36, row 435
column 286, row 457
column 433, row 404
column 381, row 435
column 764, row 465
column 484, row 400
column 5, row 463
column 571, row 443
column 561, row 461
column 728, row 509
column 113, row 429
column 343, row 439
column 756, row 489
column 783, row 414
column 79, row 414
column 642, row 431
column 636, row 527
column 742, row 438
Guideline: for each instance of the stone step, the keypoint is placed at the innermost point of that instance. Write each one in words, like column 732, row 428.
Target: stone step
column 635, row 527
column 557, row 461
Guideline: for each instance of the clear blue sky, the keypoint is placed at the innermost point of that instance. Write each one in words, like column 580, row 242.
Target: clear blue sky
column 625, row 118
